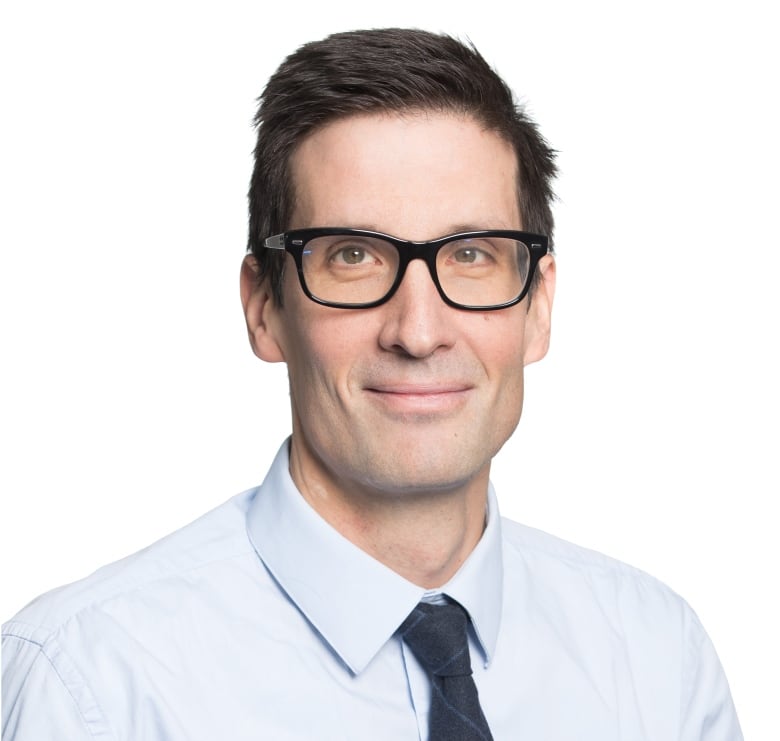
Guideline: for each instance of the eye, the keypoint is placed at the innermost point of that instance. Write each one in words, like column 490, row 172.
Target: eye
column 350, row 256
column 353, row 254
column 471, row 254
column 467, row 255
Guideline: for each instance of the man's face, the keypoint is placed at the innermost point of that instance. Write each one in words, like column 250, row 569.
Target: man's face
column 413, row 395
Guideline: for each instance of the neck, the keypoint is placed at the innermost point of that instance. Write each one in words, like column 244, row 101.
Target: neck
column 425, row 536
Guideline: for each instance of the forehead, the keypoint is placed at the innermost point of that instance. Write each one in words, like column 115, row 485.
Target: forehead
column 417, row 175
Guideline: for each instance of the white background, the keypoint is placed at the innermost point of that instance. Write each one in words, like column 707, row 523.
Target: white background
column 131, row 402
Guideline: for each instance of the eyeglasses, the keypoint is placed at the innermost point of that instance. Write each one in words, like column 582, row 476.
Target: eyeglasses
column 358, row 269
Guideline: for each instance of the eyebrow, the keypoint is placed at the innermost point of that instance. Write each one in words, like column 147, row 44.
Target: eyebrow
column 490, row 224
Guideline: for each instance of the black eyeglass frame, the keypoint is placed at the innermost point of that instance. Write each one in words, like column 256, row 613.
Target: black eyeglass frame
column 295, row 242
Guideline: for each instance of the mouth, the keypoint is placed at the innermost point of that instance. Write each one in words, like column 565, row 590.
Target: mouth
column 420, row 398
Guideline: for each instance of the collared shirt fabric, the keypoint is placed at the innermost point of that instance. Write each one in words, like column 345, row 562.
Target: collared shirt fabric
column 260, row 621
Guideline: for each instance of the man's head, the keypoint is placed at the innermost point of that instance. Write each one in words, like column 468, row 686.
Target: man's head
column 382, row 71
column 411, row 135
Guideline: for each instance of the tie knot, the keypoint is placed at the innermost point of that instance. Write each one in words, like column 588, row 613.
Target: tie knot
column 437, row 636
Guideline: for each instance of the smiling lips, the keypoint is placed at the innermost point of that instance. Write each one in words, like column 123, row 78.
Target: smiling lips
column 420, row 397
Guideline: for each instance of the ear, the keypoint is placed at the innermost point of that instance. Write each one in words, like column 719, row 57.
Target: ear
column 537, row 325
column 261, row 313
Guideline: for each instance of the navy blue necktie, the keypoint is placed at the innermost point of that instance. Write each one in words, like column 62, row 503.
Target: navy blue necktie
column 437, row 636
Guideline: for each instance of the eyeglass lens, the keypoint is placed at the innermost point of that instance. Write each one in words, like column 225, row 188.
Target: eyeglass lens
column 348, row 269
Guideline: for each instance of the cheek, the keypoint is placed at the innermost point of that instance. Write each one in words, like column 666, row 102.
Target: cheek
column 500, row 344
column 323, row 350
column 501, row 352
column 510, row 390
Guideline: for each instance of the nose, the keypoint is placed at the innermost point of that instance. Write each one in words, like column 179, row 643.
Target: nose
column 417, row 322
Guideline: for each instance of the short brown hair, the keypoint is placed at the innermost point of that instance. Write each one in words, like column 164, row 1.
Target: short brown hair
column 378, row 71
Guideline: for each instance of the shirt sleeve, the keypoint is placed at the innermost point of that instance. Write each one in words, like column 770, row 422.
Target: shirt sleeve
column 707, row 710
column 44, row 696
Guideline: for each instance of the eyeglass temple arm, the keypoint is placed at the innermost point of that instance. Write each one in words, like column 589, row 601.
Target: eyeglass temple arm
column 275, row 243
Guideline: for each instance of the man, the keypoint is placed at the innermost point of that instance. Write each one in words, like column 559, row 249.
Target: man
column 400, row 265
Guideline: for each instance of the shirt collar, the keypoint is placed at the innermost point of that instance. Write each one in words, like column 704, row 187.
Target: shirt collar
column 354, row 601
column 478, row 583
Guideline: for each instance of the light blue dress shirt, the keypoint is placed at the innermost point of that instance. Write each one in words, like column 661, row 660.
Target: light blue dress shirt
column 259, row 621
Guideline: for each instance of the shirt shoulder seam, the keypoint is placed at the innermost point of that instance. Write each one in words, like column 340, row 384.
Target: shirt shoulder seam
column 43, row 652
column 590, row 559
column 52, row 629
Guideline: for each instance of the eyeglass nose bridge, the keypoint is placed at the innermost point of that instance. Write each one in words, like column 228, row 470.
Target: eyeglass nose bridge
column 425, row 251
